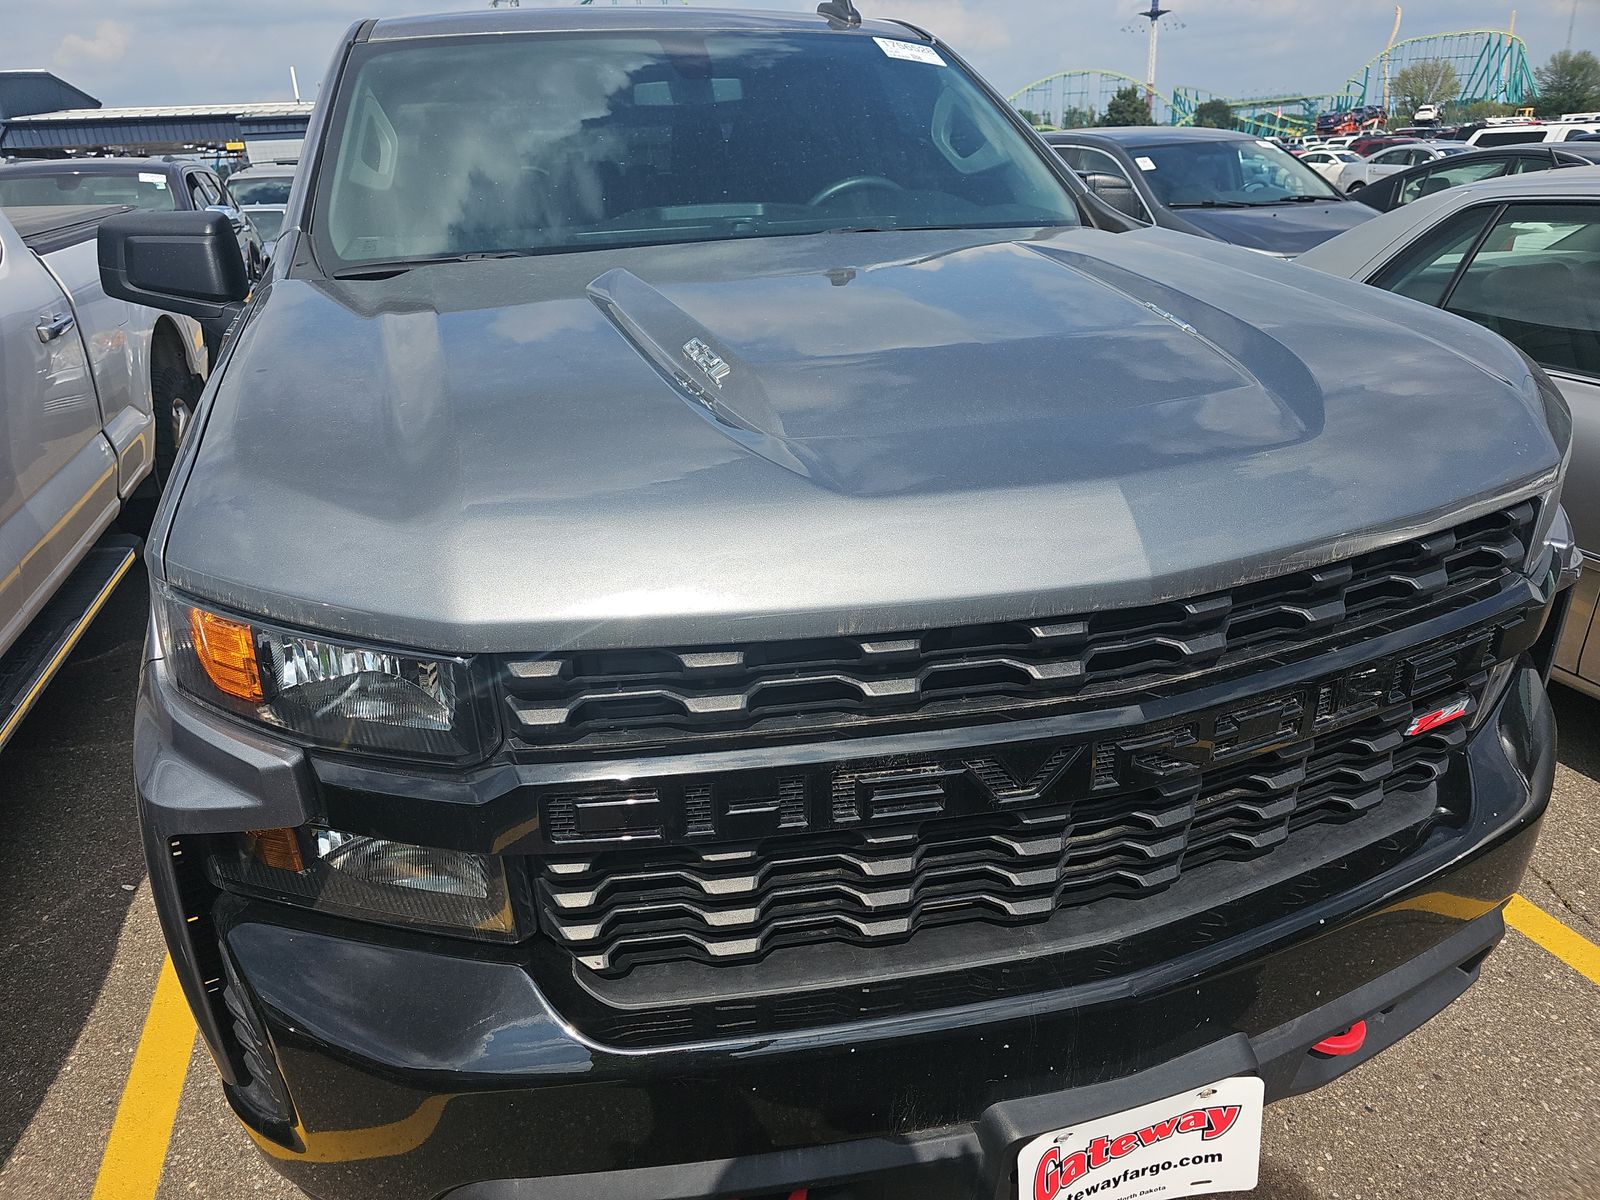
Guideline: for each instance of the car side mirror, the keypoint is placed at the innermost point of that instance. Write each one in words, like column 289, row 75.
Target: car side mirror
column 1117, row 192
column 235, row 217
column 183, row 262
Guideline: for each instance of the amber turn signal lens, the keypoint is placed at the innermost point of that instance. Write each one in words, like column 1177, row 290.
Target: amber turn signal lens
column 276, row 848
column 227, row 651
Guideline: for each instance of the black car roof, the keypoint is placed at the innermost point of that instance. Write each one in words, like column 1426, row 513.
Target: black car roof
column 577, row 18
column 1150, row 135
column 95, row 166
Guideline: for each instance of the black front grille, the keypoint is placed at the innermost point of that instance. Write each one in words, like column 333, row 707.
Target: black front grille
column 620, row 699
column 724, row 903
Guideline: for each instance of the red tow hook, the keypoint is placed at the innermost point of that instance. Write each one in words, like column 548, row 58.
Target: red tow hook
column 1341, row 1044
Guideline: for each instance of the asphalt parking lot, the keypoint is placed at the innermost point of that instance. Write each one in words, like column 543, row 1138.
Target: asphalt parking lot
column 105, row 1094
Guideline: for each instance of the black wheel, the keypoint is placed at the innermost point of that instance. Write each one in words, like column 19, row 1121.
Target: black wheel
column 1355, row 187
column 172, row 395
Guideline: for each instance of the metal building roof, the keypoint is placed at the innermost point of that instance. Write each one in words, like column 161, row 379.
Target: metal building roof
column 38, row 91
column 184, row 124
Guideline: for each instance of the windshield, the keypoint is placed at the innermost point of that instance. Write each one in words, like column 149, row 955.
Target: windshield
column 1231, row 173
column 146, row 189
column 578, row 142
column 269, row 189
column 268, row 222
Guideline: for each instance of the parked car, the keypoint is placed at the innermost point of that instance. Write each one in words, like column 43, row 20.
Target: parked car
column 686, row 669
column 1473, row 166
column 1392, row 160
column 1372, row 143
column 89, row 386
column 1330, row 164
column 265, row 183
column 150, row 184
column 1520, row 256
column 1211, row 182
column 1531, row 133
column 268, row 222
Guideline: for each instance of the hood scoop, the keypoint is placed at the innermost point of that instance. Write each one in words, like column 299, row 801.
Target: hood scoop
column 711, row 377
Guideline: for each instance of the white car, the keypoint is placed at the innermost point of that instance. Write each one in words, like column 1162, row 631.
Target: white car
column 1531, row 131
column 1519, row 255
column 1392, row 159
column 1329, row 163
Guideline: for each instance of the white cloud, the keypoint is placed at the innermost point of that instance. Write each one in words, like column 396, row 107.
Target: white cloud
column 107, row 45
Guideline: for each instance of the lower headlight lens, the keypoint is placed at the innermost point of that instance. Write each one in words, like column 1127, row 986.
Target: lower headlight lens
column 374, row 879
column 331, row 693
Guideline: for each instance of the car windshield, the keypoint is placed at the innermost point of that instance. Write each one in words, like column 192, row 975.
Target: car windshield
column 269, row 189
column 515, row 145
column 144, row 189
column 1228, row 173
column 268, row 222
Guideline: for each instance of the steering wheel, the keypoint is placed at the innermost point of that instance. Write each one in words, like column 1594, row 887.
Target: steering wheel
column 1257, row 186
column 855, row 181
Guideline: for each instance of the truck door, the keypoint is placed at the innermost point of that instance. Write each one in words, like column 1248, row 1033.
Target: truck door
column 58, row 475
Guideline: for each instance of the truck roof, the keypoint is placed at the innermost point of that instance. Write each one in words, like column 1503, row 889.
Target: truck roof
column 48, row 228
column 584, row 18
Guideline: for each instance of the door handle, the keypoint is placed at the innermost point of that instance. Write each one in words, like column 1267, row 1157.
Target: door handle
column 50, row 328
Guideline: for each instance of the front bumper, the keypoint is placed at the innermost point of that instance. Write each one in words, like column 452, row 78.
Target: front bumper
column 420, row 1066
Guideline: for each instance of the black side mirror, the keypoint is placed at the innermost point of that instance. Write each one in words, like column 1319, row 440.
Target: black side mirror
column 1117, row 192
column 184, row 262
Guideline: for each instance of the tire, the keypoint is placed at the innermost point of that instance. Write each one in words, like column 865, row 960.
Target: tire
column 172, row 398
column 1354, row 188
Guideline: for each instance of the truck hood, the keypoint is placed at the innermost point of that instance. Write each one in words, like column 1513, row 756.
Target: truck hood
column 1282, row 229
column 838, row 433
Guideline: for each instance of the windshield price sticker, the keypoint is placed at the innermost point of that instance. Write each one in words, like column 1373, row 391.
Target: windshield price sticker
column 1194, row 1144
column 1145, row 164
column 910, row 51
column 151, row 177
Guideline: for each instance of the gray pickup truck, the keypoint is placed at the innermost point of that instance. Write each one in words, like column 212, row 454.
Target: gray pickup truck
column 82, row 378
column 718, row 633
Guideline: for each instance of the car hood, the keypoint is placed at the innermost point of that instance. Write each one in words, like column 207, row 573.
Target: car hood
column 1282, row 229
column 839, row 433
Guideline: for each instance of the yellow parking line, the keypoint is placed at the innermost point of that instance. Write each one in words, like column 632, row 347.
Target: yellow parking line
column 1578, row 952
column 137, row 1148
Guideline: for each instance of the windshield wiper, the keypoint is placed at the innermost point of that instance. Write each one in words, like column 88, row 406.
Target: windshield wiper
column 1213, row 204
column 397, row 266
column 1294, row 200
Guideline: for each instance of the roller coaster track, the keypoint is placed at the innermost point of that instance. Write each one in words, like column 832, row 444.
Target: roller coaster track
column 1490, row 64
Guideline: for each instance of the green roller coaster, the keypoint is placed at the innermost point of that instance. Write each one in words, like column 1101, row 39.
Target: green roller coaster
column 1490, row 64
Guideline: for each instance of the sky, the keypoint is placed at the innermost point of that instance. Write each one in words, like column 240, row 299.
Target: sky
column 137, row 52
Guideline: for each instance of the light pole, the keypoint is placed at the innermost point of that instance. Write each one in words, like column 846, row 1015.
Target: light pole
column 1153, row 15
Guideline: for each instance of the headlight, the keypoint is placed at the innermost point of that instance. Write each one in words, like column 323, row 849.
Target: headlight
column 334, row 694
column 374, row 879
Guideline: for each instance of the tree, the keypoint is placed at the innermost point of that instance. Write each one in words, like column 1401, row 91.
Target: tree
column 1214, row 114
column 1032, row 118
column 1128, row 107
column 1480, row 110
column 1569, row 82
column 1426, row 81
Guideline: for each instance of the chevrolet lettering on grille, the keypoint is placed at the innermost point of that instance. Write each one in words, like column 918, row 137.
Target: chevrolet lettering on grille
column 1021, row 775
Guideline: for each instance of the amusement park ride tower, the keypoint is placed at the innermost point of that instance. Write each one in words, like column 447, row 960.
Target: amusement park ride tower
column 1153, row 14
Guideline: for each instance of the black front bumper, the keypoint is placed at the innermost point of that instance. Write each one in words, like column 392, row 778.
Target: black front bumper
column 426, row 1067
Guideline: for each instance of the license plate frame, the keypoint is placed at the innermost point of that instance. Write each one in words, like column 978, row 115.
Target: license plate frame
column 1196, row 1143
